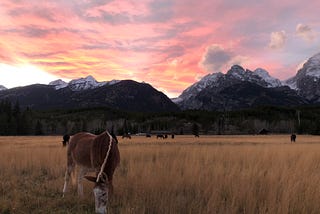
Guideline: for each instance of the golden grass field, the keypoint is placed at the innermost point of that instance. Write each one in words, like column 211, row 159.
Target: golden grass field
column 210, row 174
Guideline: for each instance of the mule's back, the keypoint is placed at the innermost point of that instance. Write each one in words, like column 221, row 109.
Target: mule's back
column 99, row 150
column 79, row 149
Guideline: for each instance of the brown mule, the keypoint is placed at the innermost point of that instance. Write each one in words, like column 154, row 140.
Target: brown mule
column 97, row 153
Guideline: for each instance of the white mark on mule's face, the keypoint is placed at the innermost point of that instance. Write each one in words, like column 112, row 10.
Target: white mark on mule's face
column 100, row 192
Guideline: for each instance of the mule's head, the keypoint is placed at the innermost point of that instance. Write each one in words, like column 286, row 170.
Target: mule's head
column 100, row 192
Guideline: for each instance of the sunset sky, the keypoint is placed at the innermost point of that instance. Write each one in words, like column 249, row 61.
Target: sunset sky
column 167, row 43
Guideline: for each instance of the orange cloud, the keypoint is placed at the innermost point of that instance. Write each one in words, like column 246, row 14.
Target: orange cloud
column 164, row 43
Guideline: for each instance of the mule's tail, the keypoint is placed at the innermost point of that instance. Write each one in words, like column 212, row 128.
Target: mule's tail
column 70, row 172
column 65, row 139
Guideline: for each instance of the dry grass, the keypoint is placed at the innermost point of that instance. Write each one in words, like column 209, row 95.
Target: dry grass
column 210, row 174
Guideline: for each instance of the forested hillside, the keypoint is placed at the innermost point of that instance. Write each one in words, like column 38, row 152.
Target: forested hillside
column 17, row 121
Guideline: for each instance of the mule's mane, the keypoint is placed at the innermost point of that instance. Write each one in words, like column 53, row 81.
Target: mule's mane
column 106, row 158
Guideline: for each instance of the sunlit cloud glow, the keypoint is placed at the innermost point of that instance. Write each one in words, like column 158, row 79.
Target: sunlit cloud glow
column 21, row 75
column 167, row 43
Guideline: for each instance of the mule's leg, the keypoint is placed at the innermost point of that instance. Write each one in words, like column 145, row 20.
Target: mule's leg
column 110, row 188
column 110, row 185
column 82, row 172
column 67, row 178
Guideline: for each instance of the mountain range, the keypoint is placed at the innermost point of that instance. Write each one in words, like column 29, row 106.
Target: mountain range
column 238, row 88
column 86, row 92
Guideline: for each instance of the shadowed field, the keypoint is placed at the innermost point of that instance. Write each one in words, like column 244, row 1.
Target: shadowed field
column 210, row 174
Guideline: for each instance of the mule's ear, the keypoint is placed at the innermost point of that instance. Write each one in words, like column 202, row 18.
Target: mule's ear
column 90, row 178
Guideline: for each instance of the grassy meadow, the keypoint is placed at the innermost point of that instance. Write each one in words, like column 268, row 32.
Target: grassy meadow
column 210, row 174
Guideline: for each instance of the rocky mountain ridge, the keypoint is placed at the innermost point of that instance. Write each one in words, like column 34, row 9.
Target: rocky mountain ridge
column 125, row 95
column 307, row 80
column 80, row 84
column 238, row 88
column 2, row 88
column 213, row 92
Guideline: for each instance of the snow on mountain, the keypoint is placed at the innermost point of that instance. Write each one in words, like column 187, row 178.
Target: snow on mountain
column 306, row 81
column 307, row 75
column 292, row 83
column 235, row 74
column 80, row 84
column 176, row 100
column 208, row 80
column 312, row 66
column 2, row 88
column 112, row 82
column 85, row 83
column 258, row 76
column 238, row 72
column 58, row 84
column 271, row 81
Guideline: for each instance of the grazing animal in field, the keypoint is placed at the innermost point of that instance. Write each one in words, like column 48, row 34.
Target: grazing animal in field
column 65, row 139
column 293, row 138
column 160, row 136
column 97, row 153
column 126, row 135
column 264, row 132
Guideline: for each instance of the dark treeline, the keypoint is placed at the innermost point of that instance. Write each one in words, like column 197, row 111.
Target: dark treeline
column 14, row 121
column 17, row 121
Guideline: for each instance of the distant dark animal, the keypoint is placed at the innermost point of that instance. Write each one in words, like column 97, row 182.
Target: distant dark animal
column 126, row 136
column 98, row 153
column 293, row 138
column 160, row 136
column 172, row 136
column 65, row 139
column 148, row 135
column 264, row 132
column 196, row 135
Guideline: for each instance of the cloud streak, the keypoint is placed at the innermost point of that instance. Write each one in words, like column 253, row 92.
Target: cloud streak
column 305, row 32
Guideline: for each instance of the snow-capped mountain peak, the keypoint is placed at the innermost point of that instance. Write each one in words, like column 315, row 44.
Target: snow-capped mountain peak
column 310, row 71
column 208, row 80
column 218, row 81
column 85, row 83
column 307, row 80
column 271, row 81
column 112, row 82
column 292, row 83
column 237, row 71
column 58, row 84
column 2, row 88
column 312, row 66
column 258, row 76
column 262, row 73
column 80, row 84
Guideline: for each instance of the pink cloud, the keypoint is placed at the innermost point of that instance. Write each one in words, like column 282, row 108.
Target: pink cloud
column 160, row 42
column 277, row 39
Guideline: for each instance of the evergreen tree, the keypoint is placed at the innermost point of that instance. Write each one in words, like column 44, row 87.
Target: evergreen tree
column 38, row 129
column 18, row 123
column 195, row 129
column 125, row 127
